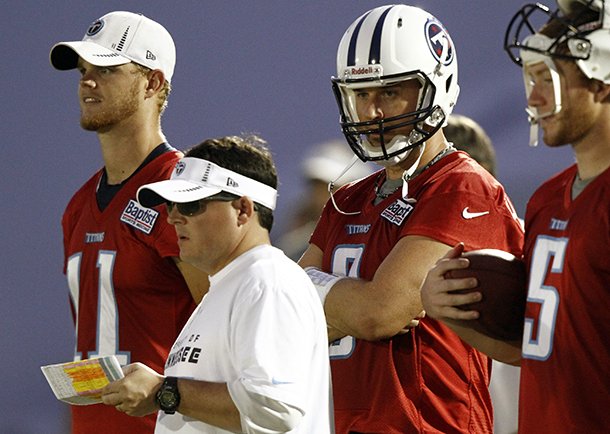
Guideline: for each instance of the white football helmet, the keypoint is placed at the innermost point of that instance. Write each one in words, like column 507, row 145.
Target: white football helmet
column 389, row 45
column 581, row 34
column 586, row 31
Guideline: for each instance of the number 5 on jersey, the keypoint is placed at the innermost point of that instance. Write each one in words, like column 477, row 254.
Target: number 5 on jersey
column 538, row 332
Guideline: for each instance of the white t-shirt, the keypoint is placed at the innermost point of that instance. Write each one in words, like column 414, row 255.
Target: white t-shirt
column 504, row 390
column 261, row 329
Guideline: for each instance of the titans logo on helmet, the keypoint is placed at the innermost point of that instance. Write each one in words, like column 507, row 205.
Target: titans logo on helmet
column 439, row 42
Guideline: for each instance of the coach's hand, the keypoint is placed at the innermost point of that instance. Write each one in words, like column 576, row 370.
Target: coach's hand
column 135, row 393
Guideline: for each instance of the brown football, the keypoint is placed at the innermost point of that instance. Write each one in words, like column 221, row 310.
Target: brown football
column 503, row 284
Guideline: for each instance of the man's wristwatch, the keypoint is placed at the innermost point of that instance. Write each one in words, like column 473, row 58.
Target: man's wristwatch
column 168, row 396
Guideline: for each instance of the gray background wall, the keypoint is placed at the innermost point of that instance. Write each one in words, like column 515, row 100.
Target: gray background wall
column 243, row 66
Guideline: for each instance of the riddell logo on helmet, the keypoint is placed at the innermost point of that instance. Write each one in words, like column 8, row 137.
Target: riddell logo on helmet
column 365, row 70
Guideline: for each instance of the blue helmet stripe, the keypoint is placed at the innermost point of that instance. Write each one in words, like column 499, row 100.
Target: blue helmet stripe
column 375, row 52
column 351, row 52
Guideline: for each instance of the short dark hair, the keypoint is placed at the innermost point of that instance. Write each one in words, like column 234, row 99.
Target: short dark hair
column 247, row 155
column 469, row 136
column 577, row 15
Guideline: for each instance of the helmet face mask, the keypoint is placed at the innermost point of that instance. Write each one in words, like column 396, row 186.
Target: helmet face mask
column 577, row 31
column 532, row 17
column 390, row 46
column 542, row 70
column 394, row 135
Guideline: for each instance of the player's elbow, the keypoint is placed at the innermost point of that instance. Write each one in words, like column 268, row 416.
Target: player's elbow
column 375, row 327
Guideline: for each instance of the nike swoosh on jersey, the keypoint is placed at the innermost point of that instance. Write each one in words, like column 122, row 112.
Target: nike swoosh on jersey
column 471, row 215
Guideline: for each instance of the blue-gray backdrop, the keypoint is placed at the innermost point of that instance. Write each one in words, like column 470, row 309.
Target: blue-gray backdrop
column 243, row 66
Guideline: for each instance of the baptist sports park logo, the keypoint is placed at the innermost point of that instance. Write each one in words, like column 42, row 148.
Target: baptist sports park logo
column 139, row 217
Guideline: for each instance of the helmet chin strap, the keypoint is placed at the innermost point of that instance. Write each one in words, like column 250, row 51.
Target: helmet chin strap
column 331, row 187
column 533, row 116
column 534, row 120
column 534, row 128
column 407, row 175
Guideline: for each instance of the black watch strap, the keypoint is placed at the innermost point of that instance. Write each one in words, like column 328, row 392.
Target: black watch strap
column 168, row 396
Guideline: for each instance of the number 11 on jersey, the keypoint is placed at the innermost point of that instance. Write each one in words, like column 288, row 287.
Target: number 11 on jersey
column 107, row 329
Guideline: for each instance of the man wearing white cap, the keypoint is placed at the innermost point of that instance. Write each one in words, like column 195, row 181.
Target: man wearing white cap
column 129, row 291
column 254, row 355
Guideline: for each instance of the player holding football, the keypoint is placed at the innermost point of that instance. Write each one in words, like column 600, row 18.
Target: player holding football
column 565, row 351
column 128, row 291
column 396, row 85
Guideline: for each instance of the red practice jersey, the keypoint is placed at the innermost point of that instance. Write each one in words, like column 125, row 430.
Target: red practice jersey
column 565, row 376
column 427, row 380
column 128, row 297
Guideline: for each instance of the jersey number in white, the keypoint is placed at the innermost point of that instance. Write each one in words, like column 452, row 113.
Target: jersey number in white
column 345, row 262
column 107, row 336
column 547, row 250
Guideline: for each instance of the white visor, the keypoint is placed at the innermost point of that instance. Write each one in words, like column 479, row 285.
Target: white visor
column 195, row 178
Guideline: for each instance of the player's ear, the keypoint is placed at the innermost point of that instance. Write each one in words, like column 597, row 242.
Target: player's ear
column 600, row 91
column 156, row 81
column 245, row 208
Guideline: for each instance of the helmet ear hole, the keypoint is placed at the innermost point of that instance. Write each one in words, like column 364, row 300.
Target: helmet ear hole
column 448, row 83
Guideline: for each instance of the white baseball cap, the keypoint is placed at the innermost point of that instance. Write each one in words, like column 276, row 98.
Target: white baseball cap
column 327, row 160
column 118, row 38
column 195, row 178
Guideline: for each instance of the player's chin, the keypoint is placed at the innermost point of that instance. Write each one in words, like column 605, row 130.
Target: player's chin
column 375, row 140
column 185, row 252
column 552, row 140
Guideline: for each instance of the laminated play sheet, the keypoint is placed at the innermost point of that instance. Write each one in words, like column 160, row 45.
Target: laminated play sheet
column 81, row 382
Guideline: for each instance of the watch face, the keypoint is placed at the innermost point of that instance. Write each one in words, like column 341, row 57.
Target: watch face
column 168, row 398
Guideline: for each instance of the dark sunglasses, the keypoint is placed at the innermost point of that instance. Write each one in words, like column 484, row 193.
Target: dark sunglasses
column 190, row 209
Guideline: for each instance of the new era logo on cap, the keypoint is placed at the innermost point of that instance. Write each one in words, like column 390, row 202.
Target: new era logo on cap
column 118, row 38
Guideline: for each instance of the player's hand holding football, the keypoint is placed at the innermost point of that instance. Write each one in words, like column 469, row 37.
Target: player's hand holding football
column 436, row 292
column 484, row 290
column 135, row 393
